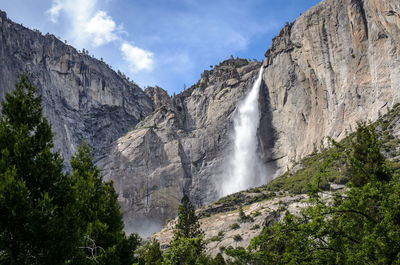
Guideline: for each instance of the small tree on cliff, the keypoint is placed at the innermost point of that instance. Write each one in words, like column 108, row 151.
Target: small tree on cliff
column 188, row 225
column 187, row 245
column 150, row 254
column 364, row 159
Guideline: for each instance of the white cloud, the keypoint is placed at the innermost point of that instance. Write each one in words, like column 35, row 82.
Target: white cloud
column 88, row 25
column 54, row 11
column 101, row 28
column 137, row 58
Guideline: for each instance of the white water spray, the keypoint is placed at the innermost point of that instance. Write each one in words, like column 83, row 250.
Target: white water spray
column 245, row 168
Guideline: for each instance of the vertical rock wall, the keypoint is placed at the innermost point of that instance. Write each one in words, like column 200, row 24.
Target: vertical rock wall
column 337, row 64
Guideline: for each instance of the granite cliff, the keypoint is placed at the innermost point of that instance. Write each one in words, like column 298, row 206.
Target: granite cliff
column 338, row 63
column 82, row 97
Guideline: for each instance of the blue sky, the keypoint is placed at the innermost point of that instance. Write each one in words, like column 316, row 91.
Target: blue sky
column 161, row 42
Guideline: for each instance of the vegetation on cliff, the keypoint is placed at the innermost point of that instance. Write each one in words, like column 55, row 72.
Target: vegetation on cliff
column 373, row 150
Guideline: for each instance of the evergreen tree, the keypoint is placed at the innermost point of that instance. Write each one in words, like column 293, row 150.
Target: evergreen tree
column 365, row 161
column 219, row 260
column 187, row 245
column 243, row 217
column 150, row 254
column 35, row 222
column 184, row 250
column 188, row 225
column 104, row 241
column 48, row 217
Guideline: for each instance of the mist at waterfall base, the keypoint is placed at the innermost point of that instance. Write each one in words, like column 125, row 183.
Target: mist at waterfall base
column 144, row 227
column 245, row 168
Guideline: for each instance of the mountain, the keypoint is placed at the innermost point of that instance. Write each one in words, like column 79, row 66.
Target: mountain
column 83, row 98
column 336, row 64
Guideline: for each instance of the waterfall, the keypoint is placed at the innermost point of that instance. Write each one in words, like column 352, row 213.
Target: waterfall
column 245, row 168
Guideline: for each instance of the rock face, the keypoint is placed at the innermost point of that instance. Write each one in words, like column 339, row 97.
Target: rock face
column 336, row 64
column 180, row 148
column 82, row 97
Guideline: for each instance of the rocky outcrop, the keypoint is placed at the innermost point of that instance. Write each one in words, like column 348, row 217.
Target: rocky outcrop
column 336, row 64
column 159, row 96
column 82, row 97
column 180, row 148
column 226, row 229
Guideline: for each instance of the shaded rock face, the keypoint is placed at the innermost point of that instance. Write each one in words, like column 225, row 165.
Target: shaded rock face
column 182, row 147
column 82, row 97
column 336, row 64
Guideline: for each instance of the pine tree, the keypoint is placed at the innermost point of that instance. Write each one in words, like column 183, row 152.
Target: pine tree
column 150, row 254
column 243, row 217
column 219, row 259
column 365, row 161
column 187, row 245
column 47, row 216
column 188, row 225
column 103, row 241
column 35, row 225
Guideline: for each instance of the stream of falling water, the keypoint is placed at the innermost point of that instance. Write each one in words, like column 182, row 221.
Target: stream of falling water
column 245, row 168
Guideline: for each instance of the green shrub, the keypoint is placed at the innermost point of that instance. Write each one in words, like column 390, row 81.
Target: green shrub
column 216, row 238
column 256, row 213
column 237, row 237
column 234, row 226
